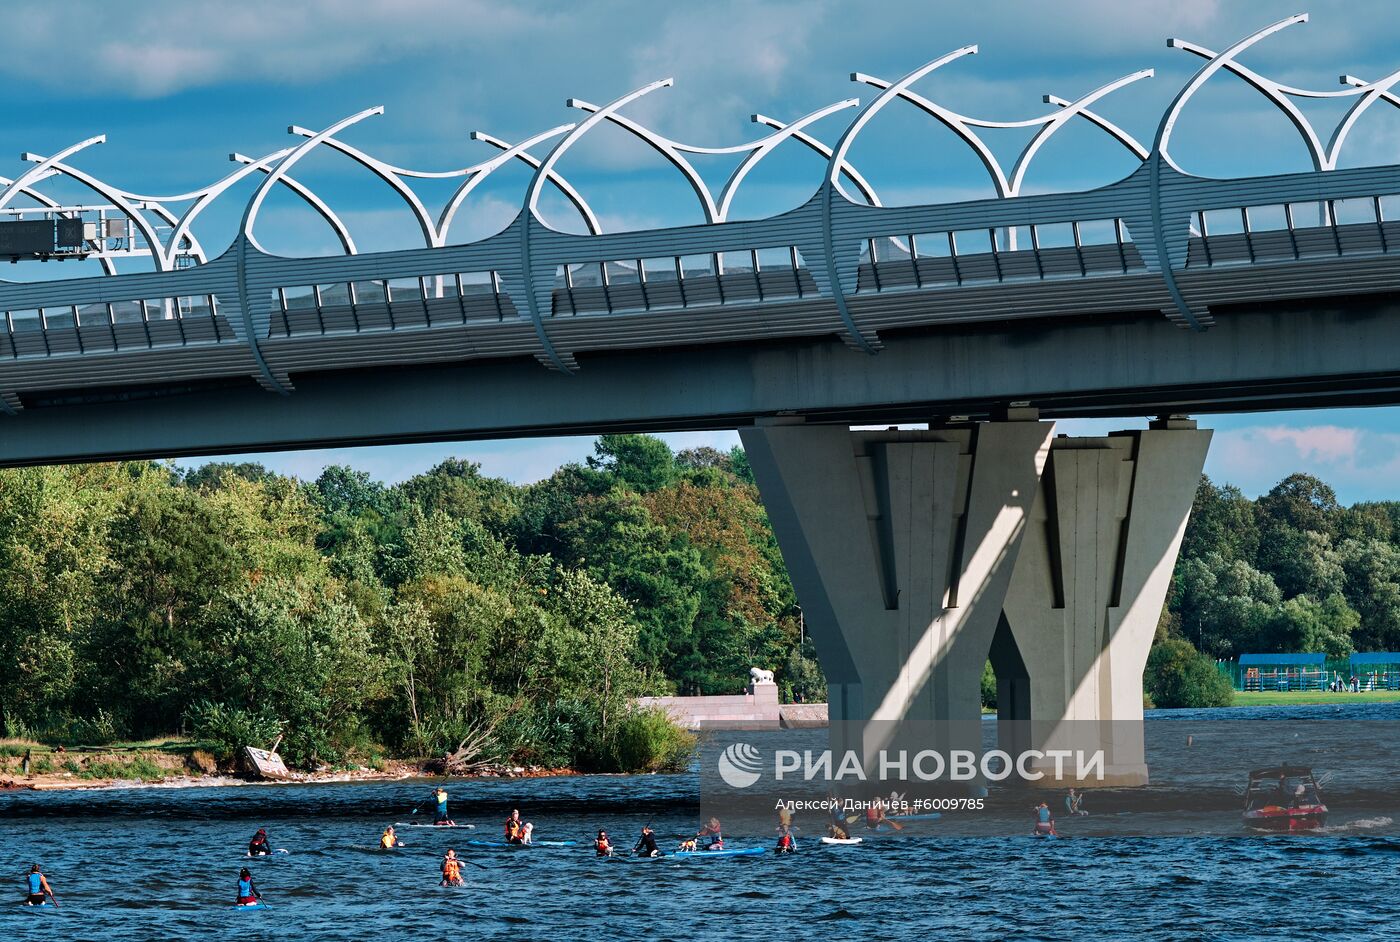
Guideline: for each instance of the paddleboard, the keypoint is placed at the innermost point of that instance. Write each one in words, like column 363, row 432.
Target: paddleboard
column 507, row 844
column 46, row 907
column 728, row 852
column 925, row 816
column 248, row 906
column 1044, row 836
column 842, row 840
column 438, row 827
column 278, row 854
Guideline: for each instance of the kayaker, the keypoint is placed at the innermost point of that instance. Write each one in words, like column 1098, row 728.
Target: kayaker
column 258, row 846
column 1073, row 802
column 440, row 796
column 1044, row 820
column 515, row 828
column 389, row 839
column 646, row 844
column 875, row 814
column 602, row 846
column 711, row 830
column 786, row 845
column 39, row 889
column 451, row 870
column 247, row 891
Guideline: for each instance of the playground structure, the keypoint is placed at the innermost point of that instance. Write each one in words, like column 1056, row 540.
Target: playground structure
column 1283, row 672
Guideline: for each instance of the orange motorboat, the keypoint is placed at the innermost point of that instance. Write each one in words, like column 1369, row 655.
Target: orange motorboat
column 1284, row 798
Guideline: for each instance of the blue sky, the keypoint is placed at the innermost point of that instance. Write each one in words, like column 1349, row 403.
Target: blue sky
column 177, row 86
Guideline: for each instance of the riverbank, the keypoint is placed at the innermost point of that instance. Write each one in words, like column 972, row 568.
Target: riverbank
column 1311, row 697
column 174, row 762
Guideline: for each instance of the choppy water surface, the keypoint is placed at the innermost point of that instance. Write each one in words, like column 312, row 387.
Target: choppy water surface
column 162, row 864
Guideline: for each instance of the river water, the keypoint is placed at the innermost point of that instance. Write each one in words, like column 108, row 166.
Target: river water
column 161, row 863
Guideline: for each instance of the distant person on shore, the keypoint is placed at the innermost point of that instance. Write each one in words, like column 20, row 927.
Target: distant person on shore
column 248, row 894
column 1074, row 802
column 258, row 846
column 602, row 846
column 24, row 763
column 389, row 839
column 440, row 797
column 452, row 870
column 515, row 828
column 39, row 888
column 711, row 830
column 1044, row 820
column 646, row 844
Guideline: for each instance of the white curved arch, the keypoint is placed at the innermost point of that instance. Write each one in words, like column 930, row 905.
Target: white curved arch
column 42, row 165
column 1324, row 157
column 250, row 212
column 1161, row 144
column 872, row 107
column 569, row 140
column 1093, row 117
column 519, row 152
column 389, row 175
column 716, row 210
column 315, row 202
column 762, row 148
column 118, row 199
column 1057, row 120
column 824, row 151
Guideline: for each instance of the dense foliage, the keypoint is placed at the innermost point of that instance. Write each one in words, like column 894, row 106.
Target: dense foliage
column 359, row 619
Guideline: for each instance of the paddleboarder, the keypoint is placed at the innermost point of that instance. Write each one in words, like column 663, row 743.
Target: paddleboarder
column 602, row 846
column 258, row 846
column 440, row 797
column 248, row 894
column 646, row 844
column 39, row 888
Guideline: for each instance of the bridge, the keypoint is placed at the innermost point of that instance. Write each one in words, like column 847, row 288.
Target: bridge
column 915, row 553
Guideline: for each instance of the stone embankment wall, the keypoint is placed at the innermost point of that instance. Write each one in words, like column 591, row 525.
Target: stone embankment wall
column 757, row 709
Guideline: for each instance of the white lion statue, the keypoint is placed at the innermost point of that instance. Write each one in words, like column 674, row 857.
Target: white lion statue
column 758, row 675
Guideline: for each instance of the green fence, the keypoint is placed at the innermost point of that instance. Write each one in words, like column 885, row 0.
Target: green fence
column 1336, row 671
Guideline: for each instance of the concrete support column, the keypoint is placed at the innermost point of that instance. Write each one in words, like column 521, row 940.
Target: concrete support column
column 900, row 545
column 1087, row 593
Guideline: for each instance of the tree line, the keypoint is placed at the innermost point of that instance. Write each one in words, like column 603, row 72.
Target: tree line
column 360, row 619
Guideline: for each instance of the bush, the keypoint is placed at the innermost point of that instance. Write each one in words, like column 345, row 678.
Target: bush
column 1180, row 676
column 645, row 740
column 228, row 729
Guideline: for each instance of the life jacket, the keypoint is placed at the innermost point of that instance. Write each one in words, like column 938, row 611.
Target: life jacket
column 245, row 888
column 514, row 828
column 451, row 869
column 387, row 840
column 1044, row 815
column 36, row 884
column 873, row 813
column 441, row 799
column 601, row 845
column 784, row 841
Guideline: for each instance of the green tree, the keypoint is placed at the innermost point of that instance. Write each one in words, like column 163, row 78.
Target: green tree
column 1178, row 675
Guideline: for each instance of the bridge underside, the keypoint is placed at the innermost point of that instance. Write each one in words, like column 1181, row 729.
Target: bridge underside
column 1288, row 355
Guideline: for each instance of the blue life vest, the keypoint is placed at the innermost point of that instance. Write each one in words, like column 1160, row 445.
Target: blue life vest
column 36, row 884
column 1044, row 815
column 245, row 888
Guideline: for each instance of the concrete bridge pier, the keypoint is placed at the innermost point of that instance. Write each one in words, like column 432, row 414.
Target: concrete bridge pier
column 900, row 545
column 1087, row 592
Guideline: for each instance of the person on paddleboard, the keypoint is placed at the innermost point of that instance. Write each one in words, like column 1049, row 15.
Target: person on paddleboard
column 451, row 870
column 711, row 830
column 646, row 844
column 602, row 846
column 389, row 839
column 39, row 889
column 247, row 890
column 875, row 814
column 440, row 797
column 1074, row 802
column 258, row 846
column 786, row 844
column 1044, row 820
column 515, row 828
